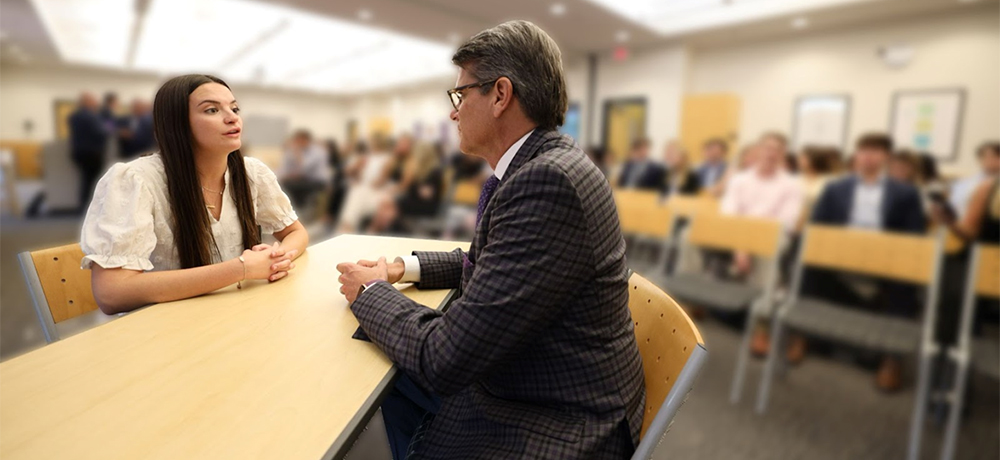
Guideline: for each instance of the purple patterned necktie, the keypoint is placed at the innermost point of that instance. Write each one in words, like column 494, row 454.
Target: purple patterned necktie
column 484, row 198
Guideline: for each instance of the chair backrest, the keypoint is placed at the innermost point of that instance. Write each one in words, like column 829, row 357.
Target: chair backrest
column 641, row 214
column 59, row 289
column 895, row 256
column 688, row 206
column 673, row 353
column 988, row 270
column 467, row 193
column 758, row 237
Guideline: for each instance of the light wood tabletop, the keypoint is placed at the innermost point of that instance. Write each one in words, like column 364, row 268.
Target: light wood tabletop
column 266, row 372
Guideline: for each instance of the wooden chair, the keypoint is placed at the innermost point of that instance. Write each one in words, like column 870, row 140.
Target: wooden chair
column 673, row 353
column 467, row 193
column 983, row 280
column 892, row 256
column 689, row 206
column 762, row 239
column 60, row 290
column 644, row 221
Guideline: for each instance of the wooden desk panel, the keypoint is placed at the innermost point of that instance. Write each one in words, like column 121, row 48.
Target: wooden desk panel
column 269, row 371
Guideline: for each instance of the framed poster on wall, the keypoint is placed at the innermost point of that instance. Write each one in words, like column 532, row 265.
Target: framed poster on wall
column 928, row 121
column 821, row 120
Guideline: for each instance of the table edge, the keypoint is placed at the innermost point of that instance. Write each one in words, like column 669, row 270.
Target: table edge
column 349, row 435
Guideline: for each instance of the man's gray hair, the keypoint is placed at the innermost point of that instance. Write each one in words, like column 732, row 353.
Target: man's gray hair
column 525, row 54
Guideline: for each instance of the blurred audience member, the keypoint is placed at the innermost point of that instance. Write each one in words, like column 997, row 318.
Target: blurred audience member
column 791, row 164
column 109, row 112
column 88, row 141
column 599, row 155
column 679, row 179
column 713, row 167
column 366, row 170
column 765, row 191
column 303, row 171
column 422, row 187
column 392, row 172
column 338, row 184
column 135, row 131
column 868, row 199
column 981, row 221
column 904, row 166
column 639, row 171
column 816, row 167
column 989, row 168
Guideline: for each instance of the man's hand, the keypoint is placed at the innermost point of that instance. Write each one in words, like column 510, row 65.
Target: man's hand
column 395, row 270
column 353, row 276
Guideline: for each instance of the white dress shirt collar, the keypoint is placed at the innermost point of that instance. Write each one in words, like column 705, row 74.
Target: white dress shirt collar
column 508, row 156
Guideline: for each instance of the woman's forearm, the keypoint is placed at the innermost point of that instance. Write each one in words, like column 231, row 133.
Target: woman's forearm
column 121, row 290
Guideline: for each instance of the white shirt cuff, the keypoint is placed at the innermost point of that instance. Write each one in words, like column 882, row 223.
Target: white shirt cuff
column 411, row 269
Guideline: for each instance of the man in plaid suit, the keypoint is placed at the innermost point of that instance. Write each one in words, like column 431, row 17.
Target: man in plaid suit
column 537, row 358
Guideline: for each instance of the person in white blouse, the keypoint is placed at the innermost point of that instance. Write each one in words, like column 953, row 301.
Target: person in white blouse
column 188, row 220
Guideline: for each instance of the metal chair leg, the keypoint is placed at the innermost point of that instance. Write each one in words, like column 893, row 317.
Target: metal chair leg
column 955, row 410
column 765, row 386
column 743, row 355
column 920, row 404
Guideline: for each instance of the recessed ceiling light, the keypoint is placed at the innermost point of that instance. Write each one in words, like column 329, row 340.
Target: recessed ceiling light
column 622, row 36
column 800, row 22
column 557, row 9
column 365, row 14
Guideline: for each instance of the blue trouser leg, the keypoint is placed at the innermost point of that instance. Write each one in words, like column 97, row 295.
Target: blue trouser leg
column 404, row 410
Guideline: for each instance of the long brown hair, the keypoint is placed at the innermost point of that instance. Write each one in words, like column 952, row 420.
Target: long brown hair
column 172, row 129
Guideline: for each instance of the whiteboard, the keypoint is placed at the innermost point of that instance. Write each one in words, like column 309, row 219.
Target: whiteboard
column 928, row 121
column 821, row 121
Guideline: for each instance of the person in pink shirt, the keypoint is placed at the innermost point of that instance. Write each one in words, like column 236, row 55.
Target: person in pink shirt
column 766, row 191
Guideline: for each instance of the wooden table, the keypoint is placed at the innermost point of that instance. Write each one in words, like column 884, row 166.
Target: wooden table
column 266, row 372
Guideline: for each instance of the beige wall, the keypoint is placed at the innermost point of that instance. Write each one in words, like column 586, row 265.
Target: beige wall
column 953, row 51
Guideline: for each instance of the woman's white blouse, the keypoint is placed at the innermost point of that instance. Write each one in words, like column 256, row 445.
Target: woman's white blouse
column 129, row 223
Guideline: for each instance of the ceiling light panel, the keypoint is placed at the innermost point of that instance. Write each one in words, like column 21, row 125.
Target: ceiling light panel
column 93, row 32
column 246, row 41
column 676, row 17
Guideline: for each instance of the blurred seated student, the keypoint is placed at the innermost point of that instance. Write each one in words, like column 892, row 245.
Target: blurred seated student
column 187, row 220
column 135, row 131
column 639, row 171
column 599, row 155
column 336, row 160
column 392, row 173
column 870, row 199
column 679, row 179
column 713, row 168
column 988, row 155
column 904, row 166
column 366, row 171
column 765, row 190
column 423, row 185
column 816, row 167
column 745, row 162
column 304, row 171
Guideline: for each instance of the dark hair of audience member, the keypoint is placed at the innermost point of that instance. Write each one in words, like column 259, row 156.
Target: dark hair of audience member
column 877, row 141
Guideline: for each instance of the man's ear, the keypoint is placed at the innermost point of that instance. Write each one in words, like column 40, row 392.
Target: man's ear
column 503, row 96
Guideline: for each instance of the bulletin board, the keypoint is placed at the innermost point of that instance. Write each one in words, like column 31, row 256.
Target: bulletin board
column 928, row 121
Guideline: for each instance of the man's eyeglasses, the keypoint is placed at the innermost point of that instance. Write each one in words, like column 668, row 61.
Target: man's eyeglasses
column 456, row 93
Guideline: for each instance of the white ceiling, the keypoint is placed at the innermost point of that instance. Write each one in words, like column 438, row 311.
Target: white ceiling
column 358, row 46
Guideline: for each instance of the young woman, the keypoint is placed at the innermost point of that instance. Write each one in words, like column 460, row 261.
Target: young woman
column 188, row 220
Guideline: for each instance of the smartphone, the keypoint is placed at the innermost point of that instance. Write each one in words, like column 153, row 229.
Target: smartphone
column 938, row 198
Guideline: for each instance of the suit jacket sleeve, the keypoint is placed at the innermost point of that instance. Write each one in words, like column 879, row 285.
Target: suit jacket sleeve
column 912, row 209
column 823, row 209
column 535, row 258
column 440, row 270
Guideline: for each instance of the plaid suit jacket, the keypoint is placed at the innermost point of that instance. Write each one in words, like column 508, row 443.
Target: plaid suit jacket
column 537, row 358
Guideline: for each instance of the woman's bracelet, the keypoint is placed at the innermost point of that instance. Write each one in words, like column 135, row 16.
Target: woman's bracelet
column 239, row 284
